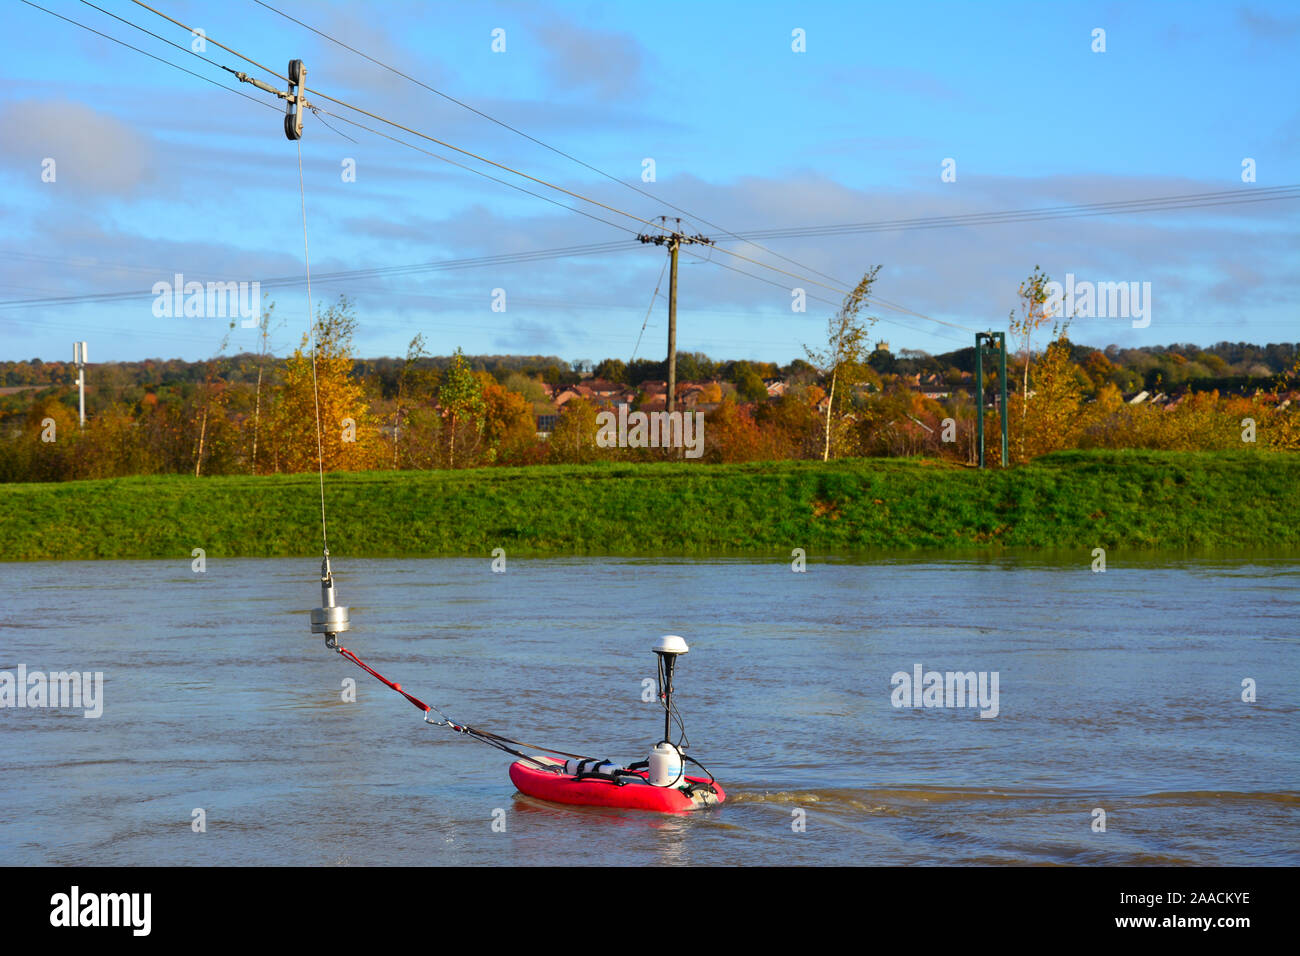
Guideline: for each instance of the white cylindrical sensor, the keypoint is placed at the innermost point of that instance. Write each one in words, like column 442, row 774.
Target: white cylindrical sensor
column 666, row 768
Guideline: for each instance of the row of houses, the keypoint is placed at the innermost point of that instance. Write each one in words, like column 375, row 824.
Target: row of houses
column 690, row 395
column 648, row 396
column 652, row 395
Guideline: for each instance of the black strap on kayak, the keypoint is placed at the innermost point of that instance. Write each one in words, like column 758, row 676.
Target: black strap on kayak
column 619, row 777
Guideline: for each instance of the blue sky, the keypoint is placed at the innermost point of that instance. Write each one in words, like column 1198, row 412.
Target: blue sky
column 158, row 172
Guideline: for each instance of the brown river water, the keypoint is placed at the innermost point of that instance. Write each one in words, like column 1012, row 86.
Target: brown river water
column 1114, row 697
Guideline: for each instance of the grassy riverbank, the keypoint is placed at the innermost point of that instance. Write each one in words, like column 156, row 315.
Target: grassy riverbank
column 1145, row 500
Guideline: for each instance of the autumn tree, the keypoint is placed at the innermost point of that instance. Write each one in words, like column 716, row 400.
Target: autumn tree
column 749, row 384
column 319, row 382
column 793, row 424
column 460, row 400
column 612, row 370
column 1099, row 370
column 733, row 435
column 49, row 442
column 1053, row 420
column 412, row 384
column 573, row 440
column 846, row 351
column 509, row 428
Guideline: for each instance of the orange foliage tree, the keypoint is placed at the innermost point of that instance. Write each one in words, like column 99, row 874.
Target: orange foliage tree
column 573, row 440
column 1051, row 421
column 508, row 425
column 731, row 434
column 349, row 439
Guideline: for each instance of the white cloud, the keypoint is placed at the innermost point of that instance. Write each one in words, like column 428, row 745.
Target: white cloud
column 94, row 153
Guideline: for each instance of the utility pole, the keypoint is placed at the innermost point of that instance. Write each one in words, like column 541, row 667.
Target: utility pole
column 673, row 241
column 79, row 357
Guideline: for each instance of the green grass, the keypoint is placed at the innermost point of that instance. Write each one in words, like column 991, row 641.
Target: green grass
column 1133, row 499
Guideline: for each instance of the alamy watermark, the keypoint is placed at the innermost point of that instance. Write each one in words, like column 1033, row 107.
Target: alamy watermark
column 1099, row 300
column 71, row 689
column 130, row 910
column 651, row 430
column 946, row 689
column 179, row 299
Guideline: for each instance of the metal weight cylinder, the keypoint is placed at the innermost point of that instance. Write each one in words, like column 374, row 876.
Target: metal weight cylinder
column 329, row 620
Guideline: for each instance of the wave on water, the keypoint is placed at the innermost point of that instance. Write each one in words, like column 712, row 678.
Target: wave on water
column 881, row 800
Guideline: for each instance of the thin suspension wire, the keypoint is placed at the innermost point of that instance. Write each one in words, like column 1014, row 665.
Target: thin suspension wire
column 315, row 349
column 316, row 112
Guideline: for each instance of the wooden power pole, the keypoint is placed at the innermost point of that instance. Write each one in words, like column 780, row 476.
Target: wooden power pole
column 673, row 240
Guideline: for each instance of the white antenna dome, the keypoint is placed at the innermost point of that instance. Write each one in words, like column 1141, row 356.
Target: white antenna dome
column 671, row 644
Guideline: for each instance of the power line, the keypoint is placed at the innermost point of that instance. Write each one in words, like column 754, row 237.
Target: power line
column 407, row 129
column 476, row 172
column 502, row 166
column 534, row 139
column 557, row 151
column 817, row 298
column 151, row 56
column 1114, row 207
column 876, row 300
column 524, row 175
column 64, row 300
column 922, row 222
column 636, row 189
column 343, row 276
column 316, row 111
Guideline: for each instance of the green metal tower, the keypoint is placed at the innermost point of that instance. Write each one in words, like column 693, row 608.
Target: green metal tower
column 993, row 341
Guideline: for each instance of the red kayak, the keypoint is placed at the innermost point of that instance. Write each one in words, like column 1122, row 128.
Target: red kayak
column 628, row 790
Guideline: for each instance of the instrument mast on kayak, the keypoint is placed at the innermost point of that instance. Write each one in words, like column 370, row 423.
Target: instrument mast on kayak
column 666, row 763
column 668, row 647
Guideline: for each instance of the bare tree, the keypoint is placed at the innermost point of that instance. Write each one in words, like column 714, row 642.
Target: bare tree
column 1033, row 316
column 845, row 356
column 406, row 382
column 210, row 393
column 263, row 351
